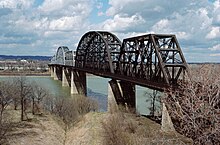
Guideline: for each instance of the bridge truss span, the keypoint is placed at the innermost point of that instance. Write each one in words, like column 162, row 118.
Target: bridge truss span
column 152, row 60
column 63, row 57
column 98, row 51
column 153, row 57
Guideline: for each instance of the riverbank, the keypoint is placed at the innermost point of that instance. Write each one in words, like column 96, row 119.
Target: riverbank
column 23, row 74
column 89, row 129
column 32, row 74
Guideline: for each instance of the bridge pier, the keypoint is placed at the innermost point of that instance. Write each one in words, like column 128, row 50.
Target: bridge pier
column 64, row 77
column 128, row 93
column 121, row 93
column 55, row 77
column 51, row 71
column 78, row 83
column 73, row 89
column 112, row 104
column 166, row 124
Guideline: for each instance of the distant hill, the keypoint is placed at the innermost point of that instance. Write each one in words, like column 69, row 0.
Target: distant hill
column 13, row 57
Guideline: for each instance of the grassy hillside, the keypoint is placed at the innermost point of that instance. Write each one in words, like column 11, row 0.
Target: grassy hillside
column 92, row 129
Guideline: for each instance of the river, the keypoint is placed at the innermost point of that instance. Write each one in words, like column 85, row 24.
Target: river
column 97, row 88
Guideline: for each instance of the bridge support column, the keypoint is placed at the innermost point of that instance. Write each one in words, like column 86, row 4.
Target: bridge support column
column 114, row 95
column 55, row 77
column 73, row 89
column 128, row 93
column 64, row 78
column 51, row 71
column 123, row 92
column 167, row 124
column 78, row 83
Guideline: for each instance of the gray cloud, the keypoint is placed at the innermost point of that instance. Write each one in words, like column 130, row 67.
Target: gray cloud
column 196, row 24
column 39, row 30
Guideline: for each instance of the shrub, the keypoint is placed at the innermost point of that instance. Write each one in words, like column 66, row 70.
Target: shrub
column 69, row 109
column 195, row 109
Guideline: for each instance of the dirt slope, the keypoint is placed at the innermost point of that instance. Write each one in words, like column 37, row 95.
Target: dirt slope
column 39, row 130
column 48, row 130
column 88, row 131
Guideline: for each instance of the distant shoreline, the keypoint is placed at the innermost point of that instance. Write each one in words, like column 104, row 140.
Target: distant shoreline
column 23, row 74
column 32, row 74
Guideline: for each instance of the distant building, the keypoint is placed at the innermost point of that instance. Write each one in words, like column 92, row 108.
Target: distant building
column 23, row 60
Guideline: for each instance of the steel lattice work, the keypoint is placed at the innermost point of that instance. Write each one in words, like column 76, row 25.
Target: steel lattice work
column 152, row 57
column 153, row 60
column 63, row 56
column 98, row 50
column 60, row 55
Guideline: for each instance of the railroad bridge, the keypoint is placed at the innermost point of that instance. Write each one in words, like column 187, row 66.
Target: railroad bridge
column 155, row 61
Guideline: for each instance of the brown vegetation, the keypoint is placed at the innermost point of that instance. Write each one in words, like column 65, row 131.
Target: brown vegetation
column 195, row 110
column 155, row 110
column 29, row 97
column 69, row 109
column 124, row 128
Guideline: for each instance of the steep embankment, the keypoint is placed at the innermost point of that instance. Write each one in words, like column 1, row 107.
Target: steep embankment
column 38, row 130
column 89, row 130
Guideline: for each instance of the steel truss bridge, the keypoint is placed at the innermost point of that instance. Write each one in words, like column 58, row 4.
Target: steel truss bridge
column 152, row 60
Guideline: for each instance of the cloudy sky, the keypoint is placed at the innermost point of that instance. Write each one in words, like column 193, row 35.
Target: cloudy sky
column 38, row 27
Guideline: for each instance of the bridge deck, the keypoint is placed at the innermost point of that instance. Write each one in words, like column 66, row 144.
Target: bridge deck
column 144, row 83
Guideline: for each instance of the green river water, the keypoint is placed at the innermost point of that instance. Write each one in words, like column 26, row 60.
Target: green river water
column 97, row 88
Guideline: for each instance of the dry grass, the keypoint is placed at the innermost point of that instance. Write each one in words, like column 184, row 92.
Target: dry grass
column 88, row 131
column 128, row 129
column 37, row 130
column 91, row 129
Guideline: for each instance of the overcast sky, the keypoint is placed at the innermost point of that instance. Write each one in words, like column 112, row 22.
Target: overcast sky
column 38, row 27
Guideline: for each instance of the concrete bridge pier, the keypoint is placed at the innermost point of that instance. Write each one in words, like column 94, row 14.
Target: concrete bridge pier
column 64, row 77
column 112, row 91
column 121, row 93
column 78, row 83
column 51, row 71
column 128, row 93
column 166, row 124
column 55, row 77
column 73, row 89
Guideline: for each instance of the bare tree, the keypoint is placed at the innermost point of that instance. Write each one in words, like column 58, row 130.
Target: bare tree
column 15, row 96
column 37, row 95
column 154, row 98
column 195, row 110
column 69, row 109
column 24, row 91
column 85, row 105
column 5, row 98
